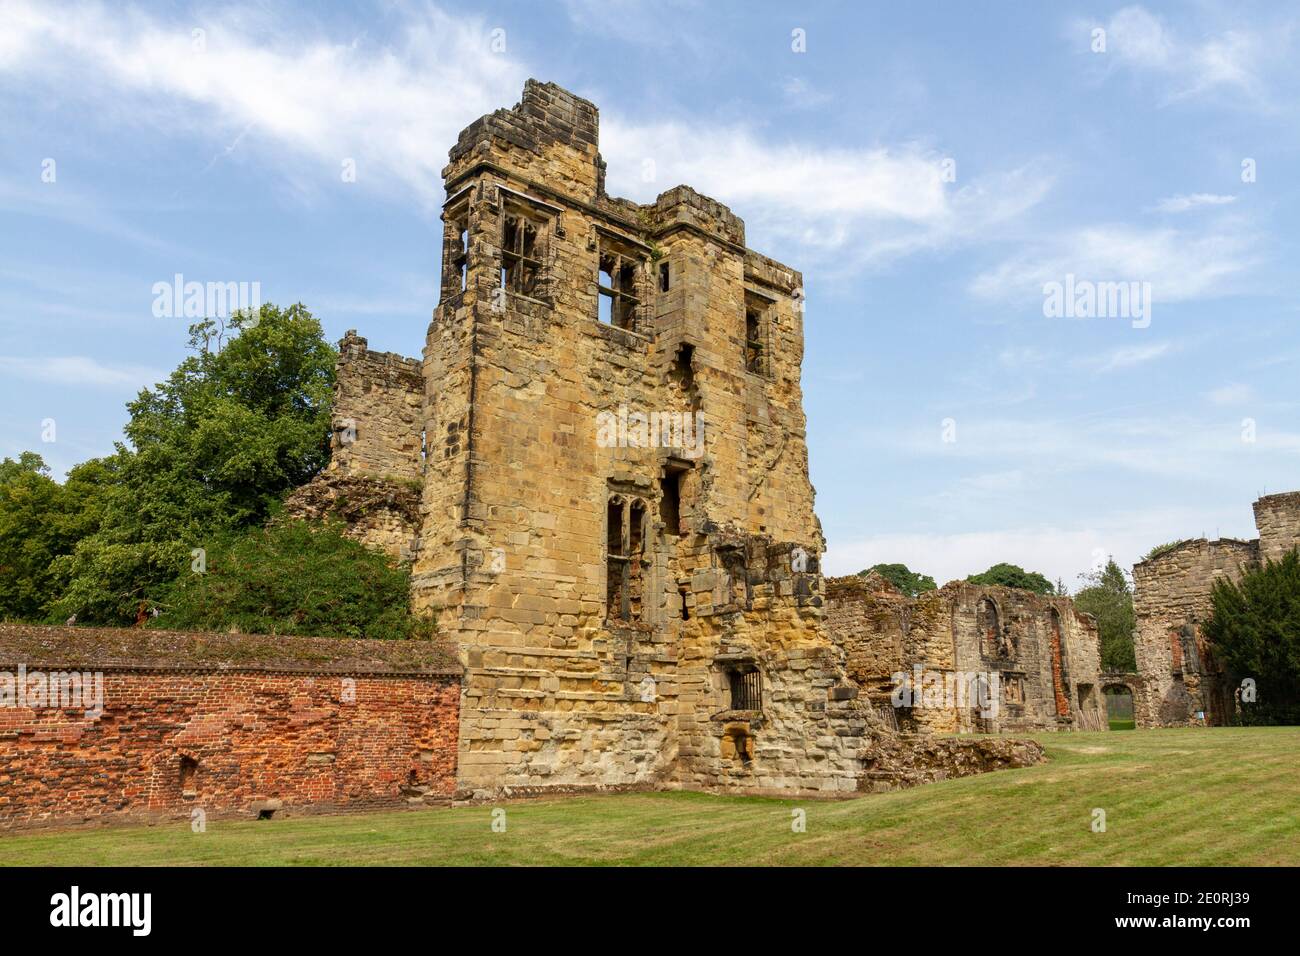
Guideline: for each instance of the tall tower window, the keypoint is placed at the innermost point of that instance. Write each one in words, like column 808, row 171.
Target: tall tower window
column 521, row 254
column 616, row 283
column 757, row 333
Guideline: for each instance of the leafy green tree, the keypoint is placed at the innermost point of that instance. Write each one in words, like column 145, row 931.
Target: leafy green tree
column 1254, row 627
column 34, row 530
column 1013, row 576
column 901, row 577
column 1108, row 596
column 298, row 578
column 212, row 450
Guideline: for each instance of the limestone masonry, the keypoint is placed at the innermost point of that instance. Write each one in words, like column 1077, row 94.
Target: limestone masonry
column 1044, row 653
column 1182, row 682
column 616, row 525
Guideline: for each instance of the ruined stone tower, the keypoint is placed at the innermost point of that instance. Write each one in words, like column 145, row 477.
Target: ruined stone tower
column 1182, row 680
column 618, row 523
column 615, row 524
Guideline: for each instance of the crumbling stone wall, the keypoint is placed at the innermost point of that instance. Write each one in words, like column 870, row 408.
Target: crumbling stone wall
column 1045, row 653
column 378, row 512
column 1184, row 682
column 376, row 470
column 1277, row 518
column 1171, row 600
column 377, row 414
column 232, row 725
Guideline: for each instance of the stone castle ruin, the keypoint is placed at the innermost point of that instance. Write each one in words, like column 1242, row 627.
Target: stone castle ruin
column 615, row 524
column 598, row 470
column 1179, row 680
column 1044, row 654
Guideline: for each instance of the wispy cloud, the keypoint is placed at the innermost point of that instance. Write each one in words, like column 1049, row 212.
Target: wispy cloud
column 1057, row 551
column 880, row 202
column 1188, row 66
column 1128, row 356
column 1236, row 394
column 1193, row 201
column 270, row 88
column 303, row 103
column 1180, row 264
column 79, row 371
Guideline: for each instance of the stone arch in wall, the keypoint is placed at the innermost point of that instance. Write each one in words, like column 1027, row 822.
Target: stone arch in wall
column 989, row 623
column 1121, row 703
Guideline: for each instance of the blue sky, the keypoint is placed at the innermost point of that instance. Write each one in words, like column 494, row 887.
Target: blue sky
column 929, row 167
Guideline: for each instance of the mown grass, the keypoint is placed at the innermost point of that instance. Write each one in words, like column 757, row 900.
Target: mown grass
column 1203, row 797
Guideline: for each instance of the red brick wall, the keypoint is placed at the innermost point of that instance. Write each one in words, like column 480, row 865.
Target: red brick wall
column 288, row 737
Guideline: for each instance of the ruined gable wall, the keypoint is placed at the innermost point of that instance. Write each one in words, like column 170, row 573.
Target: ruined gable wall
column 1050, row 648
column 377, row 413
column 376, row 469
column 1171, row 599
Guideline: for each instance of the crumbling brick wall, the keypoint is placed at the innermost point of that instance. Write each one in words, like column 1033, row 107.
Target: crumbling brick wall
column 230, row 725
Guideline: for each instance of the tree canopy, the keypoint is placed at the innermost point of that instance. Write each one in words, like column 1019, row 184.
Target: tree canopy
column 901, row 577
column 1014, row 576
column 1254, row 628
column 211, row 450
column 1108, row 596
column 293, row 577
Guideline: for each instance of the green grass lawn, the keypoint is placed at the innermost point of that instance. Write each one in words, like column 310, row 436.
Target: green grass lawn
column 1119, row 723
column 1196, row 797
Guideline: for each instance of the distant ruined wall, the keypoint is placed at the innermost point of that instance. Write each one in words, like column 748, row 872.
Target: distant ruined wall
column 1277, row 517
column 1045, row 653
column 1172, row 598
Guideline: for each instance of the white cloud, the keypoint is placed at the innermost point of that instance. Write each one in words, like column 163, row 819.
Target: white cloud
column 801, row 94
column 1023, row 357
column 1193, row 201
column 1180, row 264
column 77, row 371
column 1128, row 356
column 1115, row 441
column 274, row 86
column 286, row 95
column 1230, row 394
column 878, row 203
column 1054, row 551
column 1140, row 41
